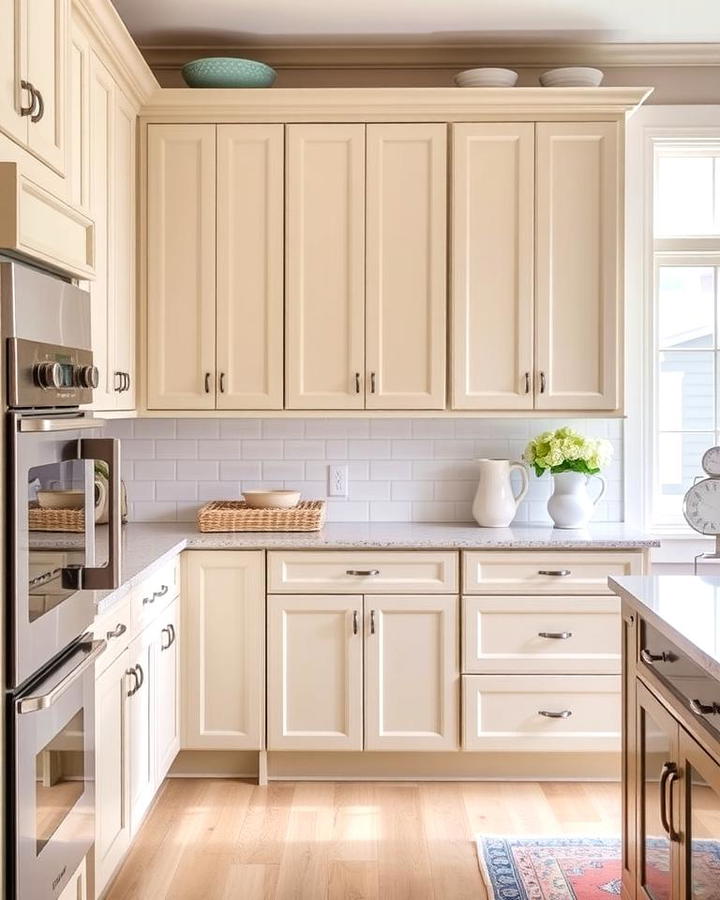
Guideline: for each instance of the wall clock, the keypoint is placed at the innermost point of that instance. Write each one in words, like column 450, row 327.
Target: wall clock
column 701, row 504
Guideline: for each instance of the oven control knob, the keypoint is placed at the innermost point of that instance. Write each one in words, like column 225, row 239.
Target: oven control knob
column 48, row 375
column 87, row 376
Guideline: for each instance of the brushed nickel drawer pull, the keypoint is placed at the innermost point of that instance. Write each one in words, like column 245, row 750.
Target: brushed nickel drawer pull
column 119, row 630
column 542, row 382
column 556, row 635
column 355, row 621
column 147, row 600
column 35, row 116
column 526, row 376
column 649, row 658
column 556, row 573
column 363, row 573
column 563, row 714
column 372, row 621
column 30, row 88
column 357, row 382
column 207, row 382
column 704, row 709
column 134, row 688
column 372, row 382
column 167, row 631
column 161, row 593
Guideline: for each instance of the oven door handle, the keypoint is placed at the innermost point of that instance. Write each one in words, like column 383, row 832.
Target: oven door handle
column 69, row 424
column 42, row 701
column 105, row 578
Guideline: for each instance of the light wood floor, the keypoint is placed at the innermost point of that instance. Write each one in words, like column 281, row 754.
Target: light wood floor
column 231, row 840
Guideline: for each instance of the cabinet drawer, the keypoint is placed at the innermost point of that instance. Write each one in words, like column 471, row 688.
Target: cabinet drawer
column 541, row 634
column 504, row 712
column 155, row 592
column 363, row 572
column 115, row 627
column 567, row 572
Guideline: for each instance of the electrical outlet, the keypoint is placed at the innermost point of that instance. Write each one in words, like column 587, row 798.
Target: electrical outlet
column 337, row 481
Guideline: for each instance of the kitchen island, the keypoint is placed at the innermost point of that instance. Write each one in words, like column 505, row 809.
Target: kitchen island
column 671, row 736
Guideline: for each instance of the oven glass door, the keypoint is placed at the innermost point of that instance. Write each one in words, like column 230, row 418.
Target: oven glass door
column 52, row 549
column 54, row 762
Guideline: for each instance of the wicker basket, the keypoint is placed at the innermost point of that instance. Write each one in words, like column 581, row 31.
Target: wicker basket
column 236, row 515
column 40, row 519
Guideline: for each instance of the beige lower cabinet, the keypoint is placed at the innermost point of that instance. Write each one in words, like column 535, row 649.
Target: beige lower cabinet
column 320, row 645
column 112, row 768
column 542, row 635
column 77, row 887
column 315, row 666
column 223, row 658
column 412, row 675
column 517, row 713
column 167, row 688
column 141, row 727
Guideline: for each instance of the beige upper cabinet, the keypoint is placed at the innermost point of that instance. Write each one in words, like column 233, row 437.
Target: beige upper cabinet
column 33, row 51
column 315, row 689
column 411, row 673
column 223, row 650
column 325, row 266
column 181, row 267
column 405, row 266
column 578, row 234
column 250, row 218
column 492, row 265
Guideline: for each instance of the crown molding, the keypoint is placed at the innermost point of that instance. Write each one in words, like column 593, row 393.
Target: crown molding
column 455, row 55
column 391, row 104
column 112, row 37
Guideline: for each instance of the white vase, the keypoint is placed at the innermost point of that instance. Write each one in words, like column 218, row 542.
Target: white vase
column 570, row 505
column 495, row 503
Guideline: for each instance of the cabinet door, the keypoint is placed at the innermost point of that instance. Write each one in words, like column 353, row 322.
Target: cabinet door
column 167, row 681
column 492, row 180
column 101, row 123
column 411, row 673
column 250, row 219
column 223, row 658
column 78, row 165
column 123, row 263
column 112, row 801
column 578, row 286
column 700, row 826
column 141, row 727
column 47, row 51
column 406, row 238
column 657, row 770
column 13, row 66
column 629, row 752
column 181, row 267
column 315, row 687
column 325, row 266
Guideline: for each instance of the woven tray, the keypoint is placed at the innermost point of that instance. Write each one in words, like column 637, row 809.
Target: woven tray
column 55, row 519
column 236, row 515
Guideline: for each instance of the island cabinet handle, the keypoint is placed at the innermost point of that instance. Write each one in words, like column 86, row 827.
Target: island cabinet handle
column 704, row 709
column 668, row 777
column 362, row 573
column 556, row 573
column 649, row 658
column 562, row 714
column 556, row 635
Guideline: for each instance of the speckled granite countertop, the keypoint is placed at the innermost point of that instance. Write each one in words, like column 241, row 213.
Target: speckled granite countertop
column 145, row 547
column 685, row 608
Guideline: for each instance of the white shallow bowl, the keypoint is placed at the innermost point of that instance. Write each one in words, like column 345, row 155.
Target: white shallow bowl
column 271, row 499
column 572, row 76
column 61, row 499
column 486, row 77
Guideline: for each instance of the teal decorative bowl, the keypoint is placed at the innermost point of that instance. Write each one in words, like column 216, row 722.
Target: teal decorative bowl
column 227, row 72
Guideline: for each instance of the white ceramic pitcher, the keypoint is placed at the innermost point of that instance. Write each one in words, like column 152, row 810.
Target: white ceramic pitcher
column 495, row 503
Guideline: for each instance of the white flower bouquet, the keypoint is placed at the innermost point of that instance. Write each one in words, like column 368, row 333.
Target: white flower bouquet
column 566, row 450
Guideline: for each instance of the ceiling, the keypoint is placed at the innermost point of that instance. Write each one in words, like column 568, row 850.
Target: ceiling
column 176, row 22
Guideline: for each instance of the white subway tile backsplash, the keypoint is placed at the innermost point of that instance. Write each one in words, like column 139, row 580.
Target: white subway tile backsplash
column 399, row 469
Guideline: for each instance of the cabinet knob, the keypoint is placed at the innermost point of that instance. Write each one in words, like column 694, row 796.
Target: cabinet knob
column 649, row 658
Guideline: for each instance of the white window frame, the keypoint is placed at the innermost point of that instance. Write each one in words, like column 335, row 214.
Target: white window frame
column 645, row 128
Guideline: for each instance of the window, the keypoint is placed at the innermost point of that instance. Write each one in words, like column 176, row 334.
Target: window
column 686, row 317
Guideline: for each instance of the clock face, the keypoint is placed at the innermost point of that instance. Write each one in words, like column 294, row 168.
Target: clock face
column 711, row 461
column 702, row 506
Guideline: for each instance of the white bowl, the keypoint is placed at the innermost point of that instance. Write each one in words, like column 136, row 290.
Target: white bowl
column 271, row 499
column 486, row 77
column 572, row 76
column 61, row 499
